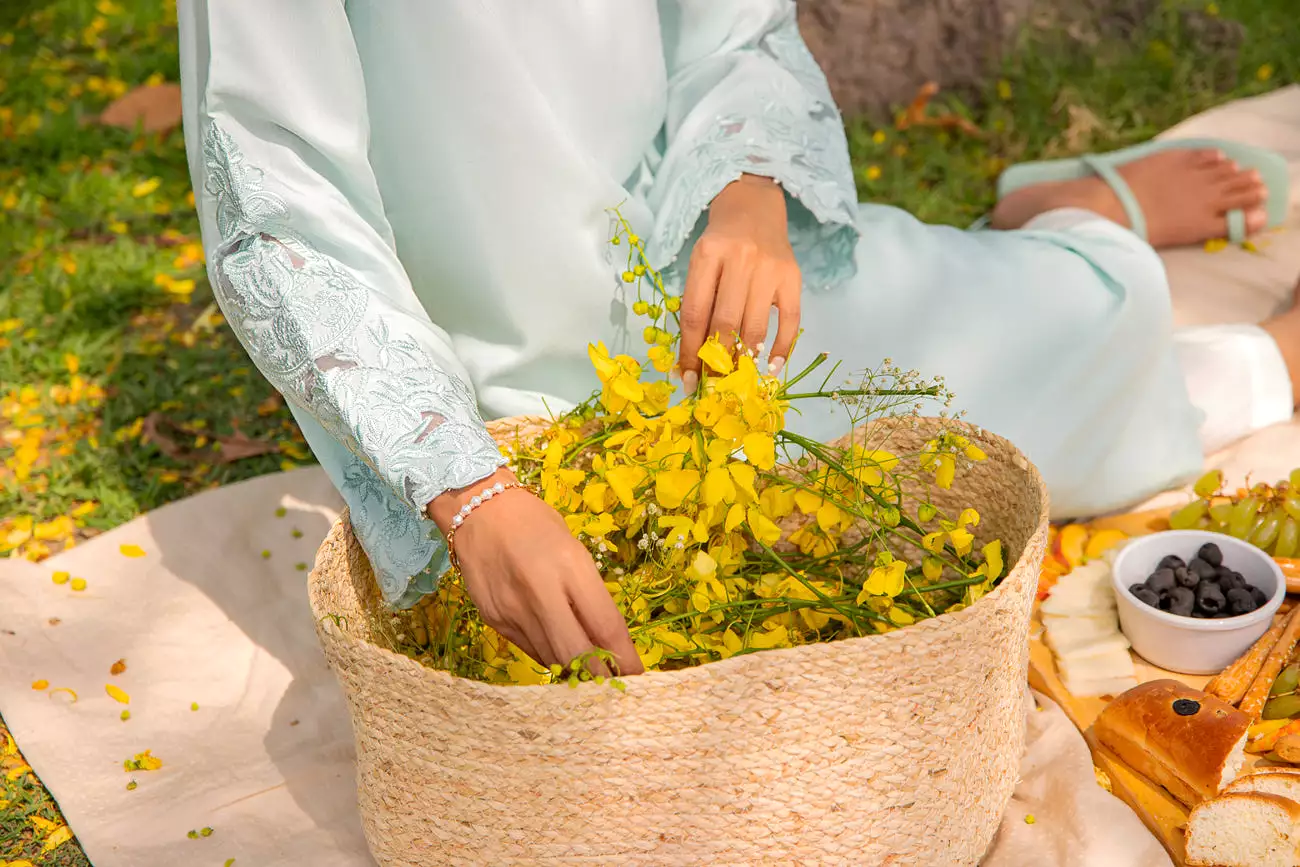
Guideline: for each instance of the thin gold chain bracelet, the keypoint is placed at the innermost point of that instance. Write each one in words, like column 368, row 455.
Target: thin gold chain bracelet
column 469, row 508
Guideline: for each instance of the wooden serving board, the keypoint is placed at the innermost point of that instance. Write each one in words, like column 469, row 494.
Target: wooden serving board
column 1159, row 811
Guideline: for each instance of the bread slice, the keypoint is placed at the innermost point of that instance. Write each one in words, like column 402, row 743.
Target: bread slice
column 1244, row 829
column 1193, row 753
column 1286, row 785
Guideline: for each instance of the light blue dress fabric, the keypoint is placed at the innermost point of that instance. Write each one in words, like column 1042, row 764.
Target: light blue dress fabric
column 405, row 210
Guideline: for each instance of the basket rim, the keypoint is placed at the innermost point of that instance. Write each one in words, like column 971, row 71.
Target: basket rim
column 734, row 664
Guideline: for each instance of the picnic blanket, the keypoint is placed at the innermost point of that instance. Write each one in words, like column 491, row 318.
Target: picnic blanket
column 228, row 688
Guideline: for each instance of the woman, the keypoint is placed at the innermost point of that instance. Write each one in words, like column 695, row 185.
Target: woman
column 405, row 204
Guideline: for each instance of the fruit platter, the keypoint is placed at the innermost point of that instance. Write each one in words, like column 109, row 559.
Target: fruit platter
column 1169, row 639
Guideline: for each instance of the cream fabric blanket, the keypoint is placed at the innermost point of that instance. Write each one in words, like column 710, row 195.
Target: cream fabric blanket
column 215, row 615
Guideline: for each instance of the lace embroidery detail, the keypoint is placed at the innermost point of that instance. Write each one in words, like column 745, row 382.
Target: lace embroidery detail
column 795, row 137
column 327, row 343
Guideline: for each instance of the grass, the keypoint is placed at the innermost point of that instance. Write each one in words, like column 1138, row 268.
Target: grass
column 120, row 390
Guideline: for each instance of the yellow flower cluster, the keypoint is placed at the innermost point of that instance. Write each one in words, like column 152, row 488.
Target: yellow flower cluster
column 719, row 532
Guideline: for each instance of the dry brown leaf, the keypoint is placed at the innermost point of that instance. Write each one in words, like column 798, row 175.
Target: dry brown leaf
column 915, row 114
column 225, row 449
column 271, row 405
column 154, row 108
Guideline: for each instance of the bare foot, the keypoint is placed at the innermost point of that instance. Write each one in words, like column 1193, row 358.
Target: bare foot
column 1184, row 194
column 1285, row 329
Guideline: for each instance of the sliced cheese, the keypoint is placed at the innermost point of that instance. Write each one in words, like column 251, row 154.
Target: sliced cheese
column 1065, row 634
column 1090, row 574
column 1109, row 555
column 1099, row 687
column 1071, row 605
column 1101, row 647
column 1109, row 665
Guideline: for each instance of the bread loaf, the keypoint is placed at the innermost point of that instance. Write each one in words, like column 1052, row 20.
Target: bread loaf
column 1181, row 738
column 1286, row 785
column 1247, row 829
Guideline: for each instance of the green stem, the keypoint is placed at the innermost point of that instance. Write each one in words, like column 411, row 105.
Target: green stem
column 947, row 585
column 817, row 362
column 864, row 392
column 849, row 615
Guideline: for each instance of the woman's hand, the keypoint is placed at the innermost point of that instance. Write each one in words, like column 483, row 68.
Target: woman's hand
column 741, row 268
column 531, row 580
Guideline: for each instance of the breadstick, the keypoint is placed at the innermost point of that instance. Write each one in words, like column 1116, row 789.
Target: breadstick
column 1231, row 683
column 1255, row 697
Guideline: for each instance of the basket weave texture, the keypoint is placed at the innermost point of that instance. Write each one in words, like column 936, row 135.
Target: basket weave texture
column 894, row 749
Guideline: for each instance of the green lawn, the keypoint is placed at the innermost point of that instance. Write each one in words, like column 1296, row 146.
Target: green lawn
column 120, row 390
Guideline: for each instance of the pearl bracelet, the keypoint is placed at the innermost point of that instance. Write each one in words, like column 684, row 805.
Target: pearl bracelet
column 468, row 509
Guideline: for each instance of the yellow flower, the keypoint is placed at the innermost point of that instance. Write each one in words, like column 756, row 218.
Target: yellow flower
column 144, row 188
column 873, row 173
column 662, row 358
column 719, row 487
column 764, row 530
column 674, row 486
column 962, row 540
column 1265, row 72
column 744, row 476
column 623, row 481
column 716, row 357
column 878, row 136
column 760, row 449
column 886, row 580
column 702, row 568
column 776, row 501
column 1004, row 89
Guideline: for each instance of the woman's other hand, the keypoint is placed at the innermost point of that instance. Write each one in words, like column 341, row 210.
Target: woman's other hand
column 741, row 268
column 531, row 580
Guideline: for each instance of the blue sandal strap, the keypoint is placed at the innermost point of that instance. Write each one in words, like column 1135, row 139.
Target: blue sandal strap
column 1136, row 221
column 1236, row 226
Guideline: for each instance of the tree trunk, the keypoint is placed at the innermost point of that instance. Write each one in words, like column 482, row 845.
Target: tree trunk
column 878, row 53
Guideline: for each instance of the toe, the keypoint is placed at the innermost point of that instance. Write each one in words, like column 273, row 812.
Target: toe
column 1256, row 220
column 1207, row 156
column 1223, row 171
column 1246, row 198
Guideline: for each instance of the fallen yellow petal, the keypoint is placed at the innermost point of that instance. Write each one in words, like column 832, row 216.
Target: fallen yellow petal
column 131, row 551
column 61, row 835
column 42, row 824
column 118, row 667
column 117, row 693
column 71, row 693
column 40, row 684
column 78, row 584
column 144, row 188
column 61, row 577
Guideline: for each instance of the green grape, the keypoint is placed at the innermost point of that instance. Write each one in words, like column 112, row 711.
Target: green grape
column 1208, row 485
column 1288, row 539
column 1286, row 682
column 1266, row 530
column 1188, row 516
column 1243, row 518
column 1220, row 514
column 1291, row 505
column 1295, row 479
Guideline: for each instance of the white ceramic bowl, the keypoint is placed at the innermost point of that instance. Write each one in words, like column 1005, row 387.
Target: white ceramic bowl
column 1187, row 644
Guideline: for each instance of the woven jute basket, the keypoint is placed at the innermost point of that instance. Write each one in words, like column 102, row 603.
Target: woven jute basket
column 895, row 749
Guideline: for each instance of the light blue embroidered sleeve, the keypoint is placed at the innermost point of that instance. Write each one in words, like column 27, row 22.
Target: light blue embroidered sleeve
column 745, row 96
column 303, row 265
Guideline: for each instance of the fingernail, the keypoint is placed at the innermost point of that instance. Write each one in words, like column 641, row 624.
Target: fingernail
column 775, row 365
column 690, row 379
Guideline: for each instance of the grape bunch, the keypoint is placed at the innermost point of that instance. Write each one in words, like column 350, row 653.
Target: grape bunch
column 1266, row 516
